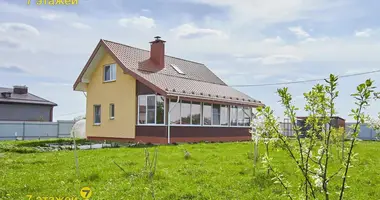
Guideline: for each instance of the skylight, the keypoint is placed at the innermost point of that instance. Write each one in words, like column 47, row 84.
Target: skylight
column 177, row 69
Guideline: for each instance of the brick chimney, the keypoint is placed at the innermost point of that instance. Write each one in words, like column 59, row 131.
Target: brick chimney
column 17, row 89
column 157, row 52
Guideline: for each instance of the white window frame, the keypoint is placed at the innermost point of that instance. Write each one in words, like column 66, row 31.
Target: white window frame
column 100, row 114
column 212, row 114
column 112, row 72
column 146, row 110
column 228, row 113
column 212, row 125
column 250, row 115
column 112, row 105
column 237, row 116
column 180, row 114
column 203, row 115
column 155, row 110
column 191, row 114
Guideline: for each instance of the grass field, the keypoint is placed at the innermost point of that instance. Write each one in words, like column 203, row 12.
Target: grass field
column 214, row 171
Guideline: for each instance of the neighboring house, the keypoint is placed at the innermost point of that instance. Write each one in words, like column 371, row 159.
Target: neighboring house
column 146, row 96
column 336, row 122
column 16, row 104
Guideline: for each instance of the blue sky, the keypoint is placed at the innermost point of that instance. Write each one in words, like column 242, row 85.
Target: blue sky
column 243, row 42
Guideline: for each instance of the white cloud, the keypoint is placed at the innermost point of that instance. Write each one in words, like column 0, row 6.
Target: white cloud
column 364, row 33
column 145, row 10
column 275, row 40
column 80, row 25
column 271, row 60
column 9, row 44
column 142, row 21
column 19, row 28
column 50, row 16
column 244, row 40
column 269, row 11
column 299, row 32
column 189, row 31
column 311, row 40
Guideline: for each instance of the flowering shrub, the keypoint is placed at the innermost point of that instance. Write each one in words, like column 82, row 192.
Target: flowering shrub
column 312, row 154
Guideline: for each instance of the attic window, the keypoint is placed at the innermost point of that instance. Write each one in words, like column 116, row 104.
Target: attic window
column 176, row 68
column 109, row 73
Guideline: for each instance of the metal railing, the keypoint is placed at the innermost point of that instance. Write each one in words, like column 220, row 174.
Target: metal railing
column 24, row 130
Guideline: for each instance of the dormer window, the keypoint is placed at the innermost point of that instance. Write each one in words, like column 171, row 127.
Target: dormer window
column 109, row 73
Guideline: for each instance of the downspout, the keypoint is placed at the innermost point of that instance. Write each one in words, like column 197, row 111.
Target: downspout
column 170, row 110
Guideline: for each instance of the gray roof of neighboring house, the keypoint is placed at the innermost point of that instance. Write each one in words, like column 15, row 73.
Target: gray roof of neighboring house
column 27, row 98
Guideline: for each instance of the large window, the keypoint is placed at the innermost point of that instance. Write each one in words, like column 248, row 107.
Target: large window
column 215, row 114
column 109, row 73
column 207, row 114
column 196, row 113
column 97, row 114
column 175, row 112
column 224, row 117
column 160, row 113
column 185, row 112
column 112, row 111
column 247, row 116
column 142, row 110
column 240, row 116
column 151, row 109
column 233, row 114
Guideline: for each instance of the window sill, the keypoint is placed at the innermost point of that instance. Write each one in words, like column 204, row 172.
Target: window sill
column 192, row 125
column 109, row 81
column 112, row 118
column 151, row 125
column 96, row 124
column 208, row 126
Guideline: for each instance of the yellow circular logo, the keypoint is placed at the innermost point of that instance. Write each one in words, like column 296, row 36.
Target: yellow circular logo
column 85, row 192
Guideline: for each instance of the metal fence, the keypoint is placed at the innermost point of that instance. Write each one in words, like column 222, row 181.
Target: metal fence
column 366, row 133
column 12, row 130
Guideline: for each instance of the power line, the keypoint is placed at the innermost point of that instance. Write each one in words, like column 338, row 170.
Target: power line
column 304, row 81
column 67, row 114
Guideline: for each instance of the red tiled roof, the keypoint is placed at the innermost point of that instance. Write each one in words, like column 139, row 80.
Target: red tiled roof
column 133, row 58
column 198, row 82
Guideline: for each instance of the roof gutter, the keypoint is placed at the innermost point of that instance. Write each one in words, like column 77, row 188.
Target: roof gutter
column 170, row 110
column 220, row 101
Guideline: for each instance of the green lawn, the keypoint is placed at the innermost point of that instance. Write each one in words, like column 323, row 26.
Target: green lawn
column 214, row 171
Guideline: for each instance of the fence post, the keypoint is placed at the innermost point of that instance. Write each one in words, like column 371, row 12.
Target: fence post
column 23, row 130
column 57, row 129
column 344, row 132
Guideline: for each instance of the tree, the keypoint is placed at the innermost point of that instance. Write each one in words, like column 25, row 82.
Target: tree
column 316, row 170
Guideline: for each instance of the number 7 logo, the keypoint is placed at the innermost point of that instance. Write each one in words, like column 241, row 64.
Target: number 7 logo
column 85, row 192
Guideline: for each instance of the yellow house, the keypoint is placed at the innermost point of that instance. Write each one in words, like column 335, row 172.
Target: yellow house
column 146, row 96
